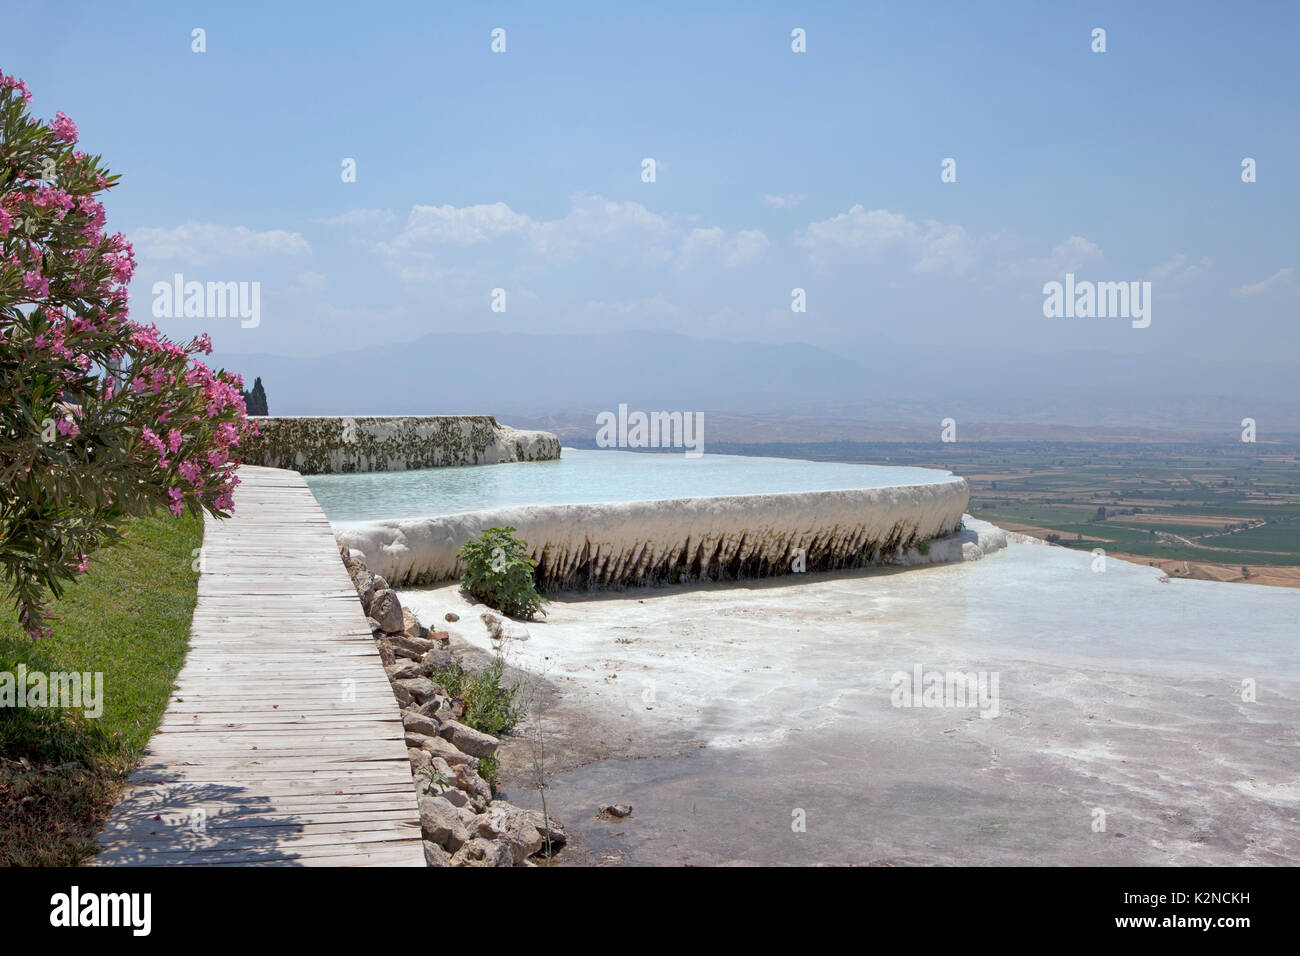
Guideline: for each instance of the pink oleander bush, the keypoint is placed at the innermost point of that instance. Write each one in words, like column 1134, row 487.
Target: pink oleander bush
column 101, row 418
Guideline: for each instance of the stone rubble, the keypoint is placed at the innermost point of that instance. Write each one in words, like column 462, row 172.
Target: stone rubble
column 461, row 823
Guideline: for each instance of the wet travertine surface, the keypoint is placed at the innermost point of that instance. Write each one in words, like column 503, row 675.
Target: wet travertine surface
column 720, row 713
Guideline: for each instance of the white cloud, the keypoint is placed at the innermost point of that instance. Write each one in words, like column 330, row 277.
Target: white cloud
column 931, row 247
column 1072, row 255
column 1281, row 279
column 1180, row 269
column 702, row 245
column 593, row 220
column 593, row 226
column 449, row 225
column 786, row 201
column 745, row 247
column 201, row 244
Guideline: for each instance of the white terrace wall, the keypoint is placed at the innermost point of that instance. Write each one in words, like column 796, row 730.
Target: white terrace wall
column 642, row 542
column 326, row 445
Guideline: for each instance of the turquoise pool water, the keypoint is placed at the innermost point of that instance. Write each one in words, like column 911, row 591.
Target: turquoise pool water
column 585, row 475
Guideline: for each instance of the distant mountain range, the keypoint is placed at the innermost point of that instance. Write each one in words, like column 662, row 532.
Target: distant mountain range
column 528, row 378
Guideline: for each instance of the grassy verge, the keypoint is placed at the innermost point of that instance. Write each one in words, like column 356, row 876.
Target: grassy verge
column 129, row 619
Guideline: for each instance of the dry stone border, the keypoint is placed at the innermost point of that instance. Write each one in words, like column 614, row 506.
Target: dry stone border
column 461, row 823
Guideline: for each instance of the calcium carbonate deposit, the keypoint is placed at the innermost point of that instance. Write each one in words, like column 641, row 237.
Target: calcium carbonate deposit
column 639, row 542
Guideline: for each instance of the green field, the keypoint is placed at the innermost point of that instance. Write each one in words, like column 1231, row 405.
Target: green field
column 1144, row 487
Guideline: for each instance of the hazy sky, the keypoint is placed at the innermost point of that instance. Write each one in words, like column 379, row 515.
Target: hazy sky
column 820, row 170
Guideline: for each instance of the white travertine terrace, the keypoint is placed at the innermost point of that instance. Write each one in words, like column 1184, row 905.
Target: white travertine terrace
column 330, row 444
column 638, row 542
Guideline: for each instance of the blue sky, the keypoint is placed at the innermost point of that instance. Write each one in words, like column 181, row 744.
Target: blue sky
column 776, row 170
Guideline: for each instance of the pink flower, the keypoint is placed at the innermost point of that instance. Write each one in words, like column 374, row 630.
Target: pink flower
column 13, row 83
column 67, row 426
column 147, row 434
column 64, row 128
column 192, row 472
column 177, row 505
column 34, row 282
column 6, row 222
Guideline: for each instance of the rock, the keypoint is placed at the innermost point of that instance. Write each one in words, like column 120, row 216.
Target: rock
column 416, row 646
column 435, row 855
column 514, row 631
column 440, row 636
column 386, row 651
column 403, row 670
column 440, row 823
column 614, row 811
column 436, row 660
column 511, row 827
column 386, row 609
column 418, row 741
column 457, row 798
column 499, row 629
column 441, row 765
column 437, row 747
column 364, row 582
column 558, row 836
column 451, row 616
column 469, row 818
column 421, row 688
column 403, row 694
column 417, row 723
column 476, row 789
column 420, row 759
column 412, row 627
column 355, row 555
column 381, row 583
column 440, row 706
column 471, row 741
column 479, row 852
column 402, row 652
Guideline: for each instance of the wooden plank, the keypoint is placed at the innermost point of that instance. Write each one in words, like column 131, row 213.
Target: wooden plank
column 282, row 728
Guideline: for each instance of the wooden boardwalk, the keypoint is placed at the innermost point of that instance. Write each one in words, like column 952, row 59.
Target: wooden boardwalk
column 282, row 743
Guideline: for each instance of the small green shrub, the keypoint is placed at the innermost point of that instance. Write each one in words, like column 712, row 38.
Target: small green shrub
column 499, row 572
column 489, row 707
column 923, row 547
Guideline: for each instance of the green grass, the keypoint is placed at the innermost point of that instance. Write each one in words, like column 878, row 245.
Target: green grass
column 127, row 618
column 1282, row 536
column 1059, row 485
